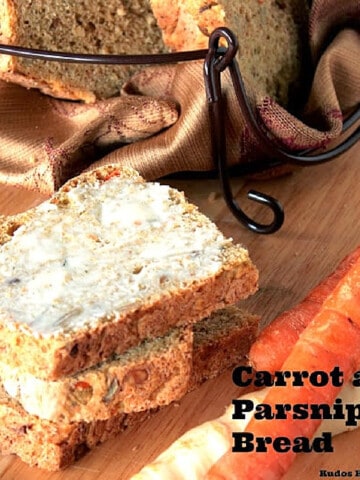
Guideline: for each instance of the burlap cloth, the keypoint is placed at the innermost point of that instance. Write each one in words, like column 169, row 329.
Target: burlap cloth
column 160, row 124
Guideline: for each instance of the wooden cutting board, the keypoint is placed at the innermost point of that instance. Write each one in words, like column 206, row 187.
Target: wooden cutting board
column 322, row 213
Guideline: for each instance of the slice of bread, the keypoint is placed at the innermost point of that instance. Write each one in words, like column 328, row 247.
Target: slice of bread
column 152, row 374
column 220, row 343
column 96, row 27
column 108, row 262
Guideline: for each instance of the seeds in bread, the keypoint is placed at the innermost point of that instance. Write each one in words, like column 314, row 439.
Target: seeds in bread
column 55, row 445
column 150, row 375
column 109, row 261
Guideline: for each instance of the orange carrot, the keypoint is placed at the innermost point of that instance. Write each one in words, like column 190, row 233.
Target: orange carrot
column 332, row 339
column 276, row 340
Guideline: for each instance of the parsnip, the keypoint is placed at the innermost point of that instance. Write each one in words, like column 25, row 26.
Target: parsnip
column 191, row 456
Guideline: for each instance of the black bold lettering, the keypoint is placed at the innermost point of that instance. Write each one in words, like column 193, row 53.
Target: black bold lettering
column 299, row 378
column 243, row 442
column 300, row 411
column 281, row 444
column 281, row 410
column 263, row 412
column 320, row 411
column 241, row 407
column 337, row 377
column 242, row 376
column 263, row 379
column 261, row 443
column 280, row 378
column 338, row 409
column 356, row 379
column 353, row 414
column 319, row 378
column 323, row 443
column 301, row 445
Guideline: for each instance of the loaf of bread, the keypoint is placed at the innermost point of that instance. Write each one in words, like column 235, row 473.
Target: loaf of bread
column 220, row 342
column 108, row 262
column 111, row 307
column 271, row 35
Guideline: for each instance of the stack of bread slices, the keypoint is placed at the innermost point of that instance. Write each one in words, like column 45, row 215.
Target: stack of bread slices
column 117, row 297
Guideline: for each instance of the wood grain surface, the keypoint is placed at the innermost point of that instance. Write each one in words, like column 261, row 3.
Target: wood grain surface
column 322, row 212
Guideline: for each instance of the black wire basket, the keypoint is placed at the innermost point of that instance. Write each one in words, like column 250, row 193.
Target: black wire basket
column 217, row 59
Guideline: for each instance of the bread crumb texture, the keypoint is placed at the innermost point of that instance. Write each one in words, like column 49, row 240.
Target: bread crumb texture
column 152, row 374
column 96, row 27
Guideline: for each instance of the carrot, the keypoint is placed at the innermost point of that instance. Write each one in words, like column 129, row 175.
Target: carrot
column 331, row 339
column 114, row 173
column 275, row 342
column 346, row 296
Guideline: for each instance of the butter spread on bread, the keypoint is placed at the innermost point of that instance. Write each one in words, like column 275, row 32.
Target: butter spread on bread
column 106, row 263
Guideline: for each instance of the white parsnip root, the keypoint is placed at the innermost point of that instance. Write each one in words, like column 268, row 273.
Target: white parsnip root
column 192, row 455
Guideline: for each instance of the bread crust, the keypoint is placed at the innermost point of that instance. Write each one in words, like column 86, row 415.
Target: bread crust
column 271, row 36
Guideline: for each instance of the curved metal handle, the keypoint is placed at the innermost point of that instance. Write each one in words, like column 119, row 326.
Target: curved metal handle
column 102, row 59
column 217, row 61
column 259, row 197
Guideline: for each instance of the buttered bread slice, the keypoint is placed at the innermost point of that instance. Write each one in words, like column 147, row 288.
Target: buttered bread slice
column 109, row 261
